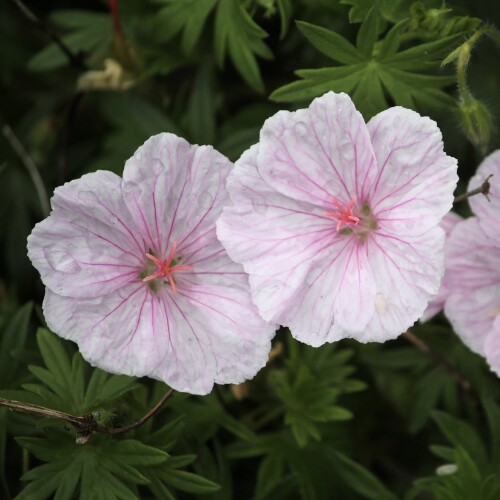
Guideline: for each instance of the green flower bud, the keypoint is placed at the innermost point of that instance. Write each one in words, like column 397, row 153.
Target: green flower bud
column 476, row 121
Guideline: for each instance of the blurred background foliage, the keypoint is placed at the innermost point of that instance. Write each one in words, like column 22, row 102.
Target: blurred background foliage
column 345, row 421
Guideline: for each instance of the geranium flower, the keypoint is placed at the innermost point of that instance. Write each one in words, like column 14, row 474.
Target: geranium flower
column 136, row 277
column 448, row 222
column 473, row 270
column 337, row 221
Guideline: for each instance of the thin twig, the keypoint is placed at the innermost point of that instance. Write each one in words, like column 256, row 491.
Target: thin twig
column 30, row 167
column 74, row 59
column 484, row 189
column 442, row 362
column 119, row 430
column 86, row 425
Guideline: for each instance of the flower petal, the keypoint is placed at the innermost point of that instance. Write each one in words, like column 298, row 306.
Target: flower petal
column 492, row 347
column 473, row 279
column 487, row 211
column 414, row 186
column 275, row 237
column 407, row 273
column 175, row 192
column 436, row 305
column 316, row 153
column 88, row 246
column 189, row 340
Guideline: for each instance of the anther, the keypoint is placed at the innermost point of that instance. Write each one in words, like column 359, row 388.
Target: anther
column 164, row 270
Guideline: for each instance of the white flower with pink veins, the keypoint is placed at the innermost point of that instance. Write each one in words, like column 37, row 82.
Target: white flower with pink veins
column 473, row 269
column 337, row 221
column 136, row 277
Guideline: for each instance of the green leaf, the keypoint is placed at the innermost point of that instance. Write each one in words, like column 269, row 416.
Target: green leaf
column 286, row 14
column 367, row 34
column 331, row 44
column 188, row 16
column 369, row 73
column 187, row 481
column 358, row 478
column 90, row 31
column 102, row 466
column 237, row 34
column 461, row 434
column 12, row 341
column 201, row 108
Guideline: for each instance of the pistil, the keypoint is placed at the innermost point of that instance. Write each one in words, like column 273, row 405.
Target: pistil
column 164, row 268
column 344, row 214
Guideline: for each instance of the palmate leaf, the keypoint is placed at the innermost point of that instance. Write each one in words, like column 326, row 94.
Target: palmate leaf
column 69, row 384
column 101, row 469
column 373, row 70
column 88, row 32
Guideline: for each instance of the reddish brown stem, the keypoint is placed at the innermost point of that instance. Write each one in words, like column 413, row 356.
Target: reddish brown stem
column 483, row 189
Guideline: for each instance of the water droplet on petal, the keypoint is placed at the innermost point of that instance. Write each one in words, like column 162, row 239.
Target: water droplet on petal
column 205, row 201
column 114, row 220
column 129, row 186
column 138, row 155
column 259, row 204
column 380, row 303
column 300, row 129
column 156, row 166
column 61, row 261
column 347, row 150
column 87, row 197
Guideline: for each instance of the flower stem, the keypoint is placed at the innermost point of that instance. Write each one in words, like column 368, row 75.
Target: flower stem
column 484, row 189
column 74, row 59
column 86, row 425
column 442, row 362
column 30, row 167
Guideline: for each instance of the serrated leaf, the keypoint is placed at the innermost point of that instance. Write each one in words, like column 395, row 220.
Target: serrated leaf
column 331, row 44
column 378, row 72
column 188, row 16
column 101, row 465
column 237, row 34
column 89, row 31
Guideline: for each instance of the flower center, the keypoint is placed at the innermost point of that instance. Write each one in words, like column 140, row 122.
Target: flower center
column 343, row 214
column 347, row 223
column 164, row 269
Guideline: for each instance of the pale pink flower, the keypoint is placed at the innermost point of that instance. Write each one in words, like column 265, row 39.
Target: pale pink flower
column 337, row 221
column 488, row 211
column 136, row 277
column 473, row 269
column 473, row 280
column 436, row 305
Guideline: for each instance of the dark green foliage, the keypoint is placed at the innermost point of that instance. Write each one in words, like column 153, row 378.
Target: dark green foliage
column 345, row 421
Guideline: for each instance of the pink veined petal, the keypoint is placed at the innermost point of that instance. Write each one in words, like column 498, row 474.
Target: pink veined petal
column 488, row 212
column 436, row 305
column 189, row 340
column 414, row 186
column 315, row 153
column 336, row 300
column 407, row 273
column 275, row 237
column 175, row 192
column 492, row 346
column 473, row 280
column 89, row 245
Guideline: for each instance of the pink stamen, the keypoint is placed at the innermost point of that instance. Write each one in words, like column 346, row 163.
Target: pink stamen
column 344, row 215
column 164, row 269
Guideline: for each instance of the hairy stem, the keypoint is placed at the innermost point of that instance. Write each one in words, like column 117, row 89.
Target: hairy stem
column 484, row 189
